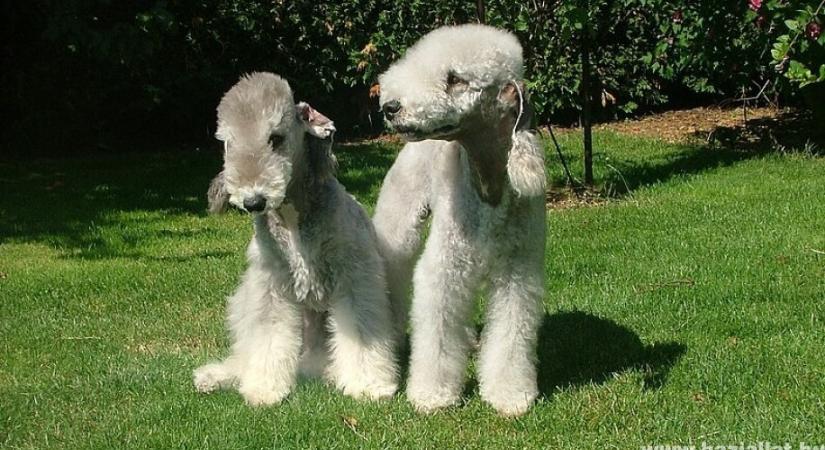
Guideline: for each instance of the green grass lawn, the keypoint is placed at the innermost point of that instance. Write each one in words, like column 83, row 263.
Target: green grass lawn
column 688, row 308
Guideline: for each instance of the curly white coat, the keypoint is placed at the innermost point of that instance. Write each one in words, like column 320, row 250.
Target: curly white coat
column 314, row 294
column 474, row 166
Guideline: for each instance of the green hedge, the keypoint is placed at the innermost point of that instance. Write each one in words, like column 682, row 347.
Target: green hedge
column 101, row 68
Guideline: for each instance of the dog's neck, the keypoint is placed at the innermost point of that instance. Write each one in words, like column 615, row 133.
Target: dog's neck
column 487, row 151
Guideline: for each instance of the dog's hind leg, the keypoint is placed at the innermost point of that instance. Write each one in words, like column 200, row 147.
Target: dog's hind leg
column 363, row 342
column 400, row 215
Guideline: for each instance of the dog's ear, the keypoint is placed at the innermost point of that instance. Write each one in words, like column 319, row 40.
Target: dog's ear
column 525, row 162
column 322, row 161
column 320, row 132
column 514, row 98
column 222, row 133
column 217, row 195
column 525, row 165
column 316, row 124
column 509, row 93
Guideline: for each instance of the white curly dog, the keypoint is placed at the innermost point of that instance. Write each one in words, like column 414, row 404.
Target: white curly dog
column 314, row 294
column 471, row 163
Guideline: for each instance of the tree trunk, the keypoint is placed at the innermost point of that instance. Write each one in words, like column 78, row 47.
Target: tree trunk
column 586, row 122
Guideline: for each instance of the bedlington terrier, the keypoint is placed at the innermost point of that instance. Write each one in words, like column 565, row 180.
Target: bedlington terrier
column 472, row 163
column 314, row 295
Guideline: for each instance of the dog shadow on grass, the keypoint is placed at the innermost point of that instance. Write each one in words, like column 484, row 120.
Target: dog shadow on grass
column 576, row 349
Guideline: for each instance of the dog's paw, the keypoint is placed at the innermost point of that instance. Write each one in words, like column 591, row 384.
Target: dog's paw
column 210, row 377
column 262, row 395
column 429, row 401
column 370, row 391
column 510, row 403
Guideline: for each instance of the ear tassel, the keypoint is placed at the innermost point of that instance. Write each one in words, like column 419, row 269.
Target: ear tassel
column 525, row 162
column 217, row 196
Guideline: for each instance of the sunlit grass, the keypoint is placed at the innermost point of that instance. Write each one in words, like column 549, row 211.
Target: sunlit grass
column 687, row 309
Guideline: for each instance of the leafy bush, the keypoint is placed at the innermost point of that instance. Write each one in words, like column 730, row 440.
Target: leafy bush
column 643, row 51
column 157, row 68
column 796, row 29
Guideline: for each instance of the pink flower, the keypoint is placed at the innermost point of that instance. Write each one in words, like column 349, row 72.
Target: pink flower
column 755, row 4
column 813, row 30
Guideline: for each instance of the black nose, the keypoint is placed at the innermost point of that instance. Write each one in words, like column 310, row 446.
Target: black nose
column 391, row 108
column 254, row 204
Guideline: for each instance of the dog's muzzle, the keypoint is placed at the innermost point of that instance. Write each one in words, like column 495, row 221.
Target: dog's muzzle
column 256, row 203
column 391, row 108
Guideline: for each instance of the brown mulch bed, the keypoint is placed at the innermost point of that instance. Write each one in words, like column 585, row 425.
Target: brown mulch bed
column 765, row 128
column 688, row 124
column 564, row 197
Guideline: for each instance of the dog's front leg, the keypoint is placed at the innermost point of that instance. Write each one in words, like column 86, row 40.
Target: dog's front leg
column 444, row 284
column 507, row 359
column 267, row 333
column 401, row 214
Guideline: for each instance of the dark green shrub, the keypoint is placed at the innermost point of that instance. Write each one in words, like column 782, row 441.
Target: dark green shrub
column 95, row 69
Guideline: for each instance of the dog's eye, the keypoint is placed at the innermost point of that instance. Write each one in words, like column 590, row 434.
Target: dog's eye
column 453, row 79
column 275, row 140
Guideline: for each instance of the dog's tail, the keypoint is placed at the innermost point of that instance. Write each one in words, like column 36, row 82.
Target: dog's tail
column 217, row 195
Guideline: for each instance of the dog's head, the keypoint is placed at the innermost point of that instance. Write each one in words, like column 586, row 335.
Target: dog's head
column 452, row 79
column 264, row 133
